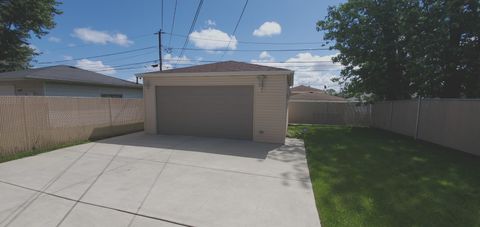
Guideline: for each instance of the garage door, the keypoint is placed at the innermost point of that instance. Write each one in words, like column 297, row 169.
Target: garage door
column 215, row 111
column 7, row 90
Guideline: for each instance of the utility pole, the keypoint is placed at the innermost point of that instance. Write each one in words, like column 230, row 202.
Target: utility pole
column 160, row 49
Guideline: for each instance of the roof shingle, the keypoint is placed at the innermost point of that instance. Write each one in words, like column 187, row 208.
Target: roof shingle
column 320, row 96
column 225, row 66
column 65, row 73
column 303, row 88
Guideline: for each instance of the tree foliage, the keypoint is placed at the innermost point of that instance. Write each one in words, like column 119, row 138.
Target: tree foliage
column 19, row 20
column 398, row 49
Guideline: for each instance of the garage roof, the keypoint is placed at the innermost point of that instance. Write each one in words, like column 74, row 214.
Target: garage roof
column 225, row 66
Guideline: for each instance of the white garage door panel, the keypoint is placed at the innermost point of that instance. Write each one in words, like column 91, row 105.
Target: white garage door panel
column 6, row 90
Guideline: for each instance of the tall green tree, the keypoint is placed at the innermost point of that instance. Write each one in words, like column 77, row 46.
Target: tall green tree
column 19, row 20
column 397, row 49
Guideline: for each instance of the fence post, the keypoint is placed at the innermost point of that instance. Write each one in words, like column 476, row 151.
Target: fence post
column 419, row 105
column 110, row 112
column 370, row 115
column 391, row 115
column 27, row 139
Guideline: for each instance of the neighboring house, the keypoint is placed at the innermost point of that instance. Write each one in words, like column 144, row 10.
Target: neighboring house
column 226, row 99
column 309, row 94
column 304, row 89
column 63, row 80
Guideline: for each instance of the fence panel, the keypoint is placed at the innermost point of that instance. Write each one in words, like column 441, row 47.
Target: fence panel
column 332, row 113
column 34, row 122
column 453, row 123
column 404, row 117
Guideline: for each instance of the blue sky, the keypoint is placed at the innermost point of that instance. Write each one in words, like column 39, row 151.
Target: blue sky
column 90, row 28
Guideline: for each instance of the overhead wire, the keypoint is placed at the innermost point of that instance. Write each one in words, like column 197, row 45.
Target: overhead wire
column 293, row 64
column 99, row 56
column 248, row 42
column 161, row 25
column 235, row 29
column 173, row 24
column 90, row 44
column 192, row 26
column 252, row 50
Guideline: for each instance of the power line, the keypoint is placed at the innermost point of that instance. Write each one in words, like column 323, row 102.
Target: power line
column 269, row 62
column 249, row 42
column 161, row 25
column 192, row 26
column 131, row 56
column 236, row 26
column 90, row 44
column 189, row 62
column 98, row 56
column 173, row 23
column 143, row 66
column 252, row 50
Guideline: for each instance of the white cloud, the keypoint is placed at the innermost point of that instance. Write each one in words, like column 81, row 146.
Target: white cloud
column 210, row 22
column 35, row 48
column 101, row 37
column 213, row 39
column 264, row 57
column 95, row 66
column 67, row 57
column 313, row 70
column 54, row 39
column 268, row 28
column 71, row 45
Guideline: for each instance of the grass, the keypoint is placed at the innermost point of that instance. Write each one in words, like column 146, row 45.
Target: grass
column 370, row 177
column 23, row 154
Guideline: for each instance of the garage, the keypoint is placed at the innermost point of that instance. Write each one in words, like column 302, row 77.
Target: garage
column 229, row 99
column 205, row 111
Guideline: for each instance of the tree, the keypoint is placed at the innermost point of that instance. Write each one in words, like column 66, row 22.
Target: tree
column 397, row 49
column 19, row 20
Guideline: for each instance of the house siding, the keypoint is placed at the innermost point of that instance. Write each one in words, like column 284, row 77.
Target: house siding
column 26, row 88
column 270, row 102
column 59, row 89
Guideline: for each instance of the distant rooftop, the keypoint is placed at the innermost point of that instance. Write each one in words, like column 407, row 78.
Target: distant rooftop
column 303, row 88
column 225, row 66
column 319, row 96
column 70, row 74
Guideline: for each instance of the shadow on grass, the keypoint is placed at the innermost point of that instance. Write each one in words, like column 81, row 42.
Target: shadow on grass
column 369, row 177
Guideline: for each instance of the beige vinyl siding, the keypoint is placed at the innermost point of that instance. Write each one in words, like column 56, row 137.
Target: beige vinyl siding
column 26, row 88
column 270, row 103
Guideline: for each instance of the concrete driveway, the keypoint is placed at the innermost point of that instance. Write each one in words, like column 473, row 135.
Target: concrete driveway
column 157, row 180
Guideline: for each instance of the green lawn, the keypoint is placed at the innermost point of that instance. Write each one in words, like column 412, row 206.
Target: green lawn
column 370, row 177
column 22, row 154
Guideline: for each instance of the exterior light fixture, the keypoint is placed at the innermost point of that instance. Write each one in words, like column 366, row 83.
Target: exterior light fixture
column 261, row 81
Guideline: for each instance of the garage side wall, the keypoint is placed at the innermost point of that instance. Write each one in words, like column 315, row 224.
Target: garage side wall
column 270, row 102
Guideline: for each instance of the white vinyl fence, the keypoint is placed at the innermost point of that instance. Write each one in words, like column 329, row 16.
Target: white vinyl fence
column 453, row 123
column 330, row 113
column 32, row 122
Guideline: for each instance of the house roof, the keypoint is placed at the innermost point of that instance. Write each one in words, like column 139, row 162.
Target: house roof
column 69, row 74
column 225, row 66
column 319, row 96
column 303, row 88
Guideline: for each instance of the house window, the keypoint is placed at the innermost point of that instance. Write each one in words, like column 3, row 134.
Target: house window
column 111, row 95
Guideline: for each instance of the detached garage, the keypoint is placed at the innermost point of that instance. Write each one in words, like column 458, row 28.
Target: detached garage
column 226, row 99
